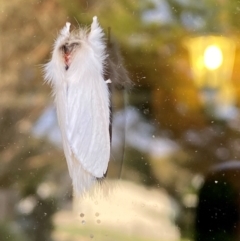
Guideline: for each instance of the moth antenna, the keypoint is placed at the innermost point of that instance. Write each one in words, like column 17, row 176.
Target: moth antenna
column 77, row 22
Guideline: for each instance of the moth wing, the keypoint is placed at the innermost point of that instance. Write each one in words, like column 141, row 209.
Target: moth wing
column 88, row 123
column 60, row 99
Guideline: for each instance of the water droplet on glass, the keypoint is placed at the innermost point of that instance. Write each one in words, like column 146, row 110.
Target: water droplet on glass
column 216, row 181
column 96, row 214
column 82, row 215
column 91, row 236
column 98, row 221
column 83, row 222
column 146, row 111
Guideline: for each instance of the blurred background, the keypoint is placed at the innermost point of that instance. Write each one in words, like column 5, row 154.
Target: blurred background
column 181, row 118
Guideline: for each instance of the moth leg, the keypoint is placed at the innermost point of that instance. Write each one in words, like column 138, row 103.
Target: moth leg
column 108, row 81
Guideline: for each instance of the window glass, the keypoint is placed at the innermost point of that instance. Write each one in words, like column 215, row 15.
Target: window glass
column 175, row 142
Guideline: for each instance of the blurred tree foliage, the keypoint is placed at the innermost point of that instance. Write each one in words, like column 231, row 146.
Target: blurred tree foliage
column 158, row 65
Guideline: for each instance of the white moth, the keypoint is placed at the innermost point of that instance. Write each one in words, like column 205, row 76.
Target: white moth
column 76, row 73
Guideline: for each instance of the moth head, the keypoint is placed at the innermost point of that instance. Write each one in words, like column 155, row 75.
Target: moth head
column 68, row 50
column 74, row 47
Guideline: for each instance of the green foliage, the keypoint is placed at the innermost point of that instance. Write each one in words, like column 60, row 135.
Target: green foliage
column 138, row 161
column 9, row 234
column 100, row 234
